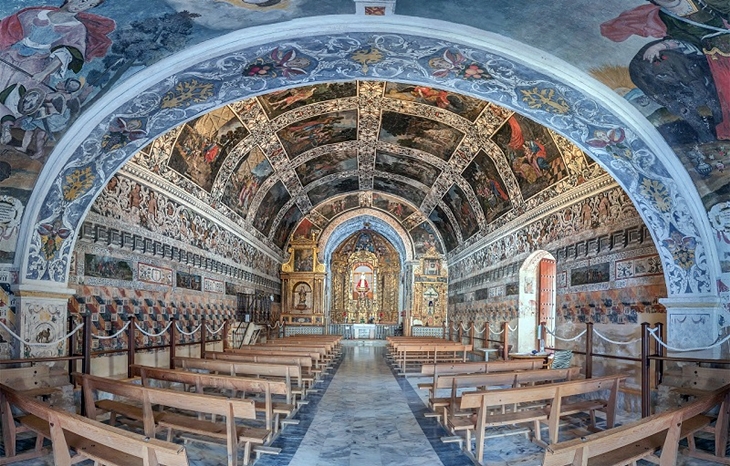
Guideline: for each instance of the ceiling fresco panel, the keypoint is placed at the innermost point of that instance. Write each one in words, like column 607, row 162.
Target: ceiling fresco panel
column 204, row 144
column 245, row 181
column 464, row 106
column 329, row 163
column 288, row 222
column 273, row 202
column 398, row 188
column 456, row 200
column 396, row 207
column 441, row 222
column 488, row 186
column 323, row 129
column 333, row 188
column 425, row 238
column 279, row 102
column 420, row 133
column 423, row 172
column 532, row 154
column 335, row 207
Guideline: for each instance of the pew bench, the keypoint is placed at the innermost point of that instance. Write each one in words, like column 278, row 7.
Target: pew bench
column 407, row 357
column 643, row 438
column 140, row 402
column 538, row 404
column 87, row 438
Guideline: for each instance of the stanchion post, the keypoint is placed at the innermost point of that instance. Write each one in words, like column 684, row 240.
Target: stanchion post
column 645, row 366
column 460, row 333
column 131, row 345
column 203, row 337
column 589, row 350
column 505, row 340
column 471, row 335
column 173, row 341
column 226, row 329
column 659, row 351
column 86, row 351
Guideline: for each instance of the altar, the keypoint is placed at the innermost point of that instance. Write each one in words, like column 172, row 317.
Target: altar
column 363, row 331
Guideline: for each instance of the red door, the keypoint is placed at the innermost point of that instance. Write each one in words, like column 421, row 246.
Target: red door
column 546, row 295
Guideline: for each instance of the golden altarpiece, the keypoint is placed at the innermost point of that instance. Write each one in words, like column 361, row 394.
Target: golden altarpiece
column 430, row 287
column 302, row 284
column 365, row 278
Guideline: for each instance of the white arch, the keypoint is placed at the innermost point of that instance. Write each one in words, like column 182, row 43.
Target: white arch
column 593, row 106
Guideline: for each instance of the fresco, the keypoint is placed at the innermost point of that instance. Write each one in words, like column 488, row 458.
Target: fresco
column 464, row 106
column 279, row 102
column 444, row 226
column 324, row 191
column 290, row 219
column 332, row 162
column 598, row 273
column 107, row 267
column 245, row 181
column 424, row 238
column 305, row 230
column 18, row 173
column 272, row 203
column 188, row 281
column 335, row 207
column 488, row 186
column 395, row 207
column 329, row 128
column 532, row 154
column 203, row 145
column 399, row 188
column 462, row 210
column 419, row 133
column 408, row 167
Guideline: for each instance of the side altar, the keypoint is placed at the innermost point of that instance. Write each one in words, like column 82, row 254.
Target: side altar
column 302, row 284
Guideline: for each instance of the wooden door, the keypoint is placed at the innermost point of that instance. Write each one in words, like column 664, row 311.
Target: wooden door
column 546, row 295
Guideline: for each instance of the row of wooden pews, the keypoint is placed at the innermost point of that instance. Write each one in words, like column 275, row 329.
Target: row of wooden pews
column 243, row 398
column 408, row 354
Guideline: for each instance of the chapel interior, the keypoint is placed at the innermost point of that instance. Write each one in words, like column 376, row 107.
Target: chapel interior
column 180, row 177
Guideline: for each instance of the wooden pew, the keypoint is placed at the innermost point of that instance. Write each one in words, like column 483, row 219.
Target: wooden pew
column 145, row 398
column 310, row 374
column 409, row 355
column 289, row 373
column 641, row 439
column 89, row 439
column 478, row 367
column 554, row 395
column 318, row 358
column 272, row 410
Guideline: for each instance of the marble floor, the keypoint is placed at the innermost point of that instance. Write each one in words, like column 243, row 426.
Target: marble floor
column 363, row 414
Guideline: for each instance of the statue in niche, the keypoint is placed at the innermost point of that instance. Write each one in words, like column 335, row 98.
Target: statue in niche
column 302, row 290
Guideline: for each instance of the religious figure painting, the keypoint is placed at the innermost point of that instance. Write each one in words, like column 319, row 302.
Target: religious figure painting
column 335, row 207
column 425, row 238
column 290, row 219
column 488, row 186
column 393, row 206
column 532, row 153
column 279, row 102
column 456, row 200
column 598, row 273
column 430, row 136
column 107, row 267
column 303, row 260
column 442, row 223
column 272, row 203
column 336, row 161
column 464, row 106
column 418, row 170
column 204, row 144
column 406, row 191
column 324, row 191
column 245, row 181
column 329, row 128
column 189, row 281
column 305, row 229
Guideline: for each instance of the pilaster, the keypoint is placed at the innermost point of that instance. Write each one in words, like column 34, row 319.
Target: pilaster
column 694, row 322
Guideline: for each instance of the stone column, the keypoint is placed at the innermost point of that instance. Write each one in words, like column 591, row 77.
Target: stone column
column 694, row 322
column 41, row 317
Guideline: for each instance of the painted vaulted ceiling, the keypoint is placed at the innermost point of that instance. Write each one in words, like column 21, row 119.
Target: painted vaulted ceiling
column 427, row 158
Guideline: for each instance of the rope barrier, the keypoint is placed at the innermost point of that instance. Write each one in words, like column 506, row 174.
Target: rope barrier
column 476, row 329
column 99, row 337
column 631, row 342
column 565, row 339
column 153, row 334
column 653, row 331
column 496, row 333
column 216, row 331
column 465, row 327
column 187, row 333
column 511, row 329
column 52, row 343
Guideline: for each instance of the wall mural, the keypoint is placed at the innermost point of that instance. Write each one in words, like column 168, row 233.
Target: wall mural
column 456, row 200
column 107, row 267
column 392, row 205
column 487, row 184
column 274, row 200
column 418, row 170
column 334, row 187
column 335, row 207
column 411, row 193
column 429, row 136
column 425, row 239
column 332, row 162
column 441, row 221
column 464, row 106
column 307, row 134
column 290, row 220
column 285, row 100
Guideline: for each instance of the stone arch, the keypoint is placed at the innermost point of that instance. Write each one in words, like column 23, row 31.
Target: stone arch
column 213, row 73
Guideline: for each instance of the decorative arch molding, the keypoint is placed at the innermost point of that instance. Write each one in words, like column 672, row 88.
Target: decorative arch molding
column 345, row 225
column 405, row 49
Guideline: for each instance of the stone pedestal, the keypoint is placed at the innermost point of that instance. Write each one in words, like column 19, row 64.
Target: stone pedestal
column 41, row 318
column 694, row 322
